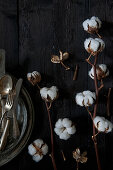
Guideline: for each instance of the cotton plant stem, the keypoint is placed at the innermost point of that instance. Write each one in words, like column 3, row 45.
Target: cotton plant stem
column 108, row 102
column 52, row 141
column 89, row 113
column 94, row 114
column 38, row 87
column 67, row 68
column 77, row 166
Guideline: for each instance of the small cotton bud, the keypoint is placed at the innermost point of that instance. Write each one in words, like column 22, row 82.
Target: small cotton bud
column 49, row 94
column 64, row 128
column 94, row 46
column 92, row 25
column 85, row 98
column 37, row 149
column 34, row 77
column 101, row 71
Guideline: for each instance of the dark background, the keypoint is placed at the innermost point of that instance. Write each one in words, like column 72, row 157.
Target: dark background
column 32, row 30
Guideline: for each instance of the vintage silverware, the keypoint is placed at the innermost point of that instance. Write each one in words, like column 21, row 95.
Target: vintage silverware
column 5, row 85
column 25, row 115
column 8, row 106
column 16, row 131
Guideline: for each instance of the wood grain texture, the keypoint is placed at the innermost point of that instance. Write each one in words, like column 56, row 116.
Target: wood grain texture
column 31, row 31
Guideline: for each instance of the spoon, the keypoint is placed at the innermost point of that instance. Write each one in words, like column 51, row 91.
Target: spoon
column 5, row 85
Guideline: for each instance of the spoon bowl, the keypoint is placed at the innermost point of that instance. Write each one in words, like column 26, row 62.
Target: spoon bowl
column 5, row 84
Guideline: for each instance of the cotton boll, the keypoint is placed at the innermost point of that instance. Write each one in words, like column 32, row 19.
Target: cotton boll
column 66, row 130
column 49, row 94
column 64, row 135
column 37, row 157
column 99, row 123
column 71, row 130
column 66, row 122
column 94, row 46
column 92, row 25
column 101, row 71
column 31, row 149
column 44, row 149
column 86, row 98
column 37, row 149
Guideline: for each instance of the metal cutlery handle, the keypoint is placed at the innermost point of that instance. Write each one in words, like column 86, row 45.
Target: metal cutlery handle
column 16, row 131
column 4, row 136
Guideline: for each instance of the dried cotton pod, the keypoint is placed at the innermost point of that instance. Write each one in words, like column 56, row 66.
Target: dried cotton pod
column 59, row 59
column 92, row 25
column 37, row 150
column 64, row 128
column 85, row 98
column 34, row 77
column 49, row 94
column 80, row 157
column 101, row 71
column 102, row 124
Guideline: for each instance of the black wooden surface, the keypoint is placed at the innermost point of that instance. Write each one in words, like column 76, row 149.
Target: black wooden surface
column 30, row 31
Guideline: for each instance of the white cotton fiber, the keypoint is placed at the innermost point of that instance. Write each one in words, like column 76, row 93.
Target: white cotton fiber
column 37, row 157
column 31, row 149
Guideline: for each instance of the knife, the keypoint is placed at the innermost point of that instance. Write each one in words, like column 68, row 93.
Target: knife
column 2, row 62
column 11, row 114
column 16, row 132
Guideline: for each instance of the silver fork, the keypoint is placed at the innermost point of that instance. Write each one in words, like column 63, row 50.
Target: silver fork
column 8, row 106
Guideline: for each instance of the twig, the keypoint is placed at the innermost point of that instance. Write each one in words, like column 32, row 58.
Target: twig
column 89, row 113
column 77, row 165
column 52, row 141
column 38, row 86
column 98, row 34
column 94, row 114
column 108, row 102
column 75, row 72
column 64, row 158
column 67, row 68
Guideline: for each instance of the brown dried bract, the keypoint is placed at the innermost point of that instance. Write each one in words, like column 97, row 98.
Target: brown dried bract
column 59, row 59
